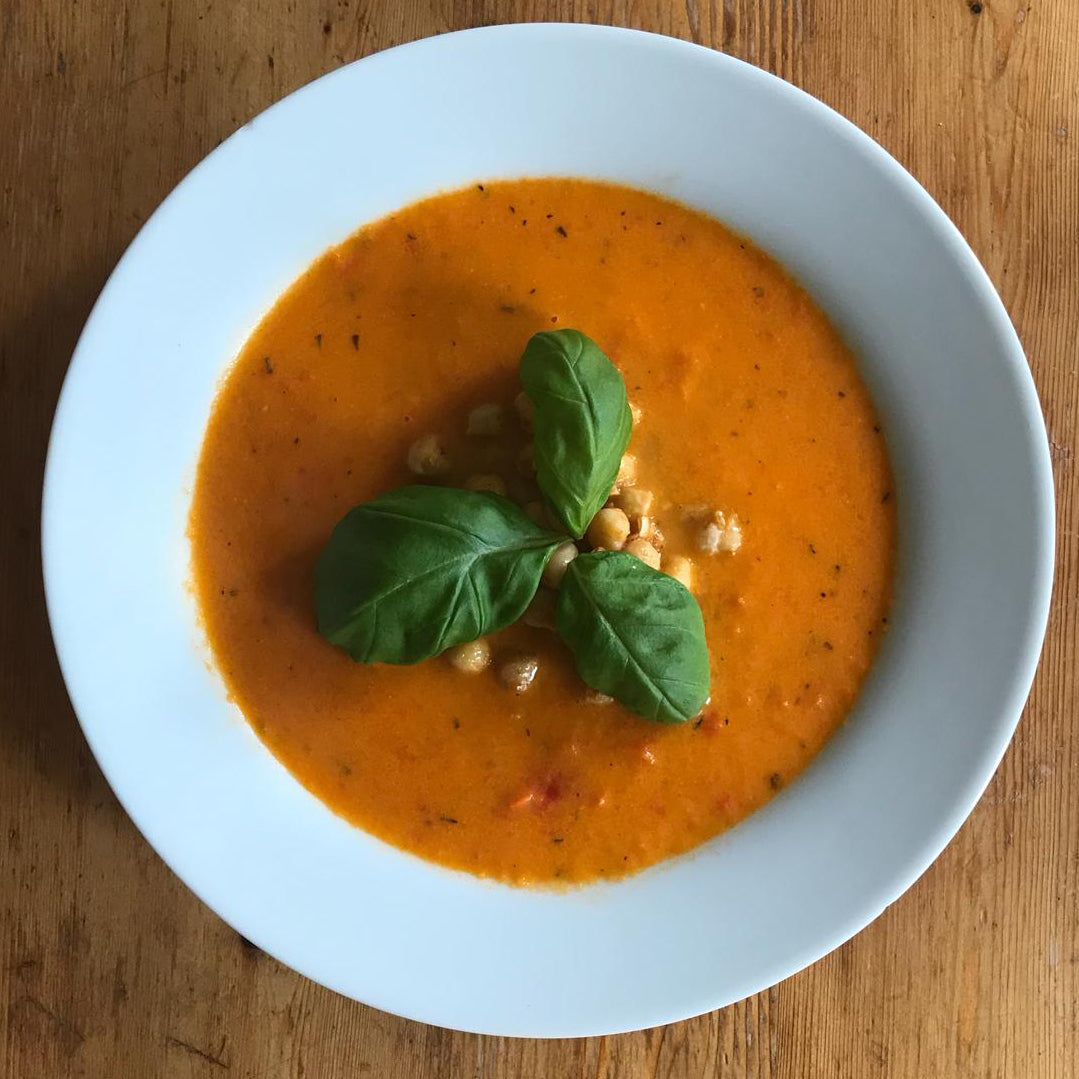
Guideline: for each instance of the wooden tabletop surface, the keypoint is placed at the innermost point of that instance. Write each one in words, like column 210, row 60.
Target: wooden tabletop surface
column 109, row 967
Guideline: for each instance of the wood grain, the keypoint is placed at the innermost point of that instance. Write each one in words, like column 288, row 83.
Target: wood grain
column 108, row 966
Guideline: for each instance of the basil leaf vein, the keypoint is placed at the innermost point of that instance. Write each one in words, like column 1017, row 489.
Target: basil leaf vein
column 582, row 422
column 420, row 569
column 636, row 634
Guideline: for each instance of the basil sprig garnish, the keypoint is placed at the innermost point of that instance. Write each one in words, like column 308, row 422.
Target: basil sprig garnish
column 420, row 569
column 582, row 423
column 636, row 634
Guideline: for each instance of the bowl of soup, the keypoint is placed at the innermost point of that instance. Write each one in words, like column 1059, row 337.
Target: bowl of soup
column 830, row 459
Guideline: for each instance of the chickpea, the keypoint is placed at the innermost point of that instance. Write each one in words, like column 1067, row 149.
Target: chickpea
column 485, row 421
column 558, row 563
column 526, row 461
column 519, row 674
column 471, row 658
column 525, row 409
column 680, row 568
column 609, row 529
column 636, row 501
column 428, row 457
column 495, row 484
column 627, row 471
column 644, row 551
column 540, row 612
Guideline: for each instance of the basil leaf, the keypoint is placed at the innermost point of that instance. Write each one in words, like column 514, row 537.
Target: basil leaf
column 637, row 635
column 420, row 569
column 582, row 422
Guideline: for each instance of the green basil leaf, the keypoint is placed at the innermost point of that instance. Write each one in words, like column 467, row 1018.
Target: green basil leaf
column 637, row 635
column 582, row 422
column 420, row 569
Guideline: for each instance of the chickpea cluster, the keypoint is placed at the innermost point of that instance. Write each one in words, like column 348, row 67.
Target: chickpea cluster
column 627, row 522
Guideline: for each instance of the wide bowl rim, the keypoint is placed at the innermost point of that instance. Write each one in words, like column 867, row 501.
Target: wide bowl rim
column 992, row 307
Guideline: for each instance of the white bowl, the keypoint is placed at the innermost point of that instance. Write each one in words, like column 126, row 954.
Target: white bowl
column 974, row 494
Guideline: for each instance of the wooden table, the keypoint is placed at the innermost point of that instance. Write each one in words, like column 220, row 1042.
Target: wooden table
column 109, row 967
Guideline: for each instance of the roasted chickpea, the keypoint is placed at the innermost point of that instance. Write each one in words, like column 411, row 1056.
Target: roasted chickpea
column 636, row 501
column 643, row 550
column 680, row 568
column 471, row 658
column 519, row 674
column 485, row 421
column 609, row 529
column 428, row 457
column 558, row 563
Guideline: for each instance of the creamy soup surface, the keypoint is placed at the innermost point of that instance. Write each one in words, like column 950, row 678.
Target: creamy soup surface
column 749, row 402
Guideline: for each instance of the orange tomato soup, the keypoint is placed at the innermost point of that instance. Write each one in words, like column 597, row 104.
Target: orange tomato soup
column 749, row 401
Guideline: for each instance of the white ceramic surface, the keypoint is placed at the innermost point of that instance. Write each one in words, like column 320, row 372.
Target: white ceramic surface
column 973, row 480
